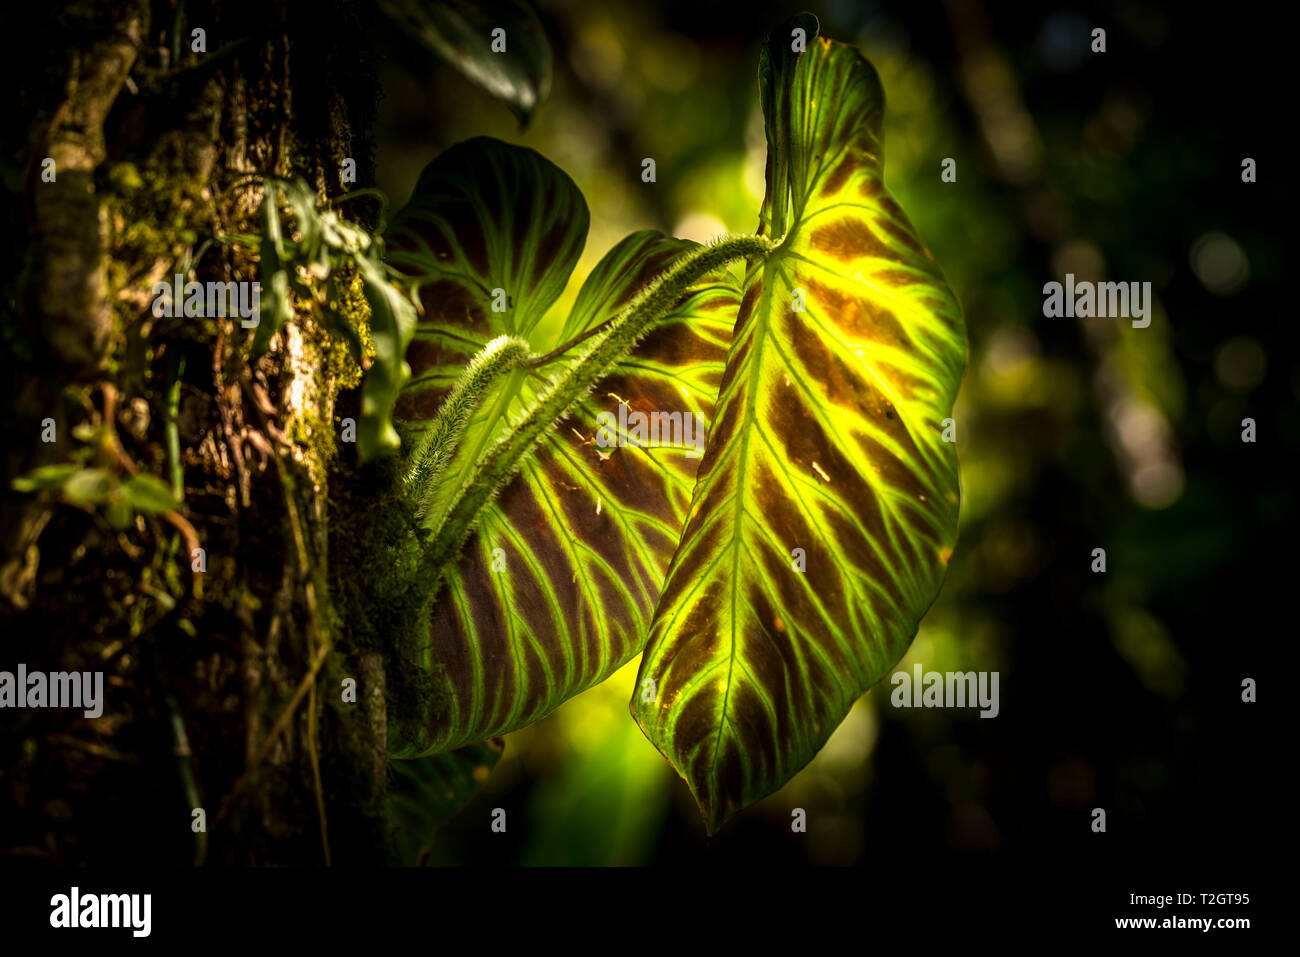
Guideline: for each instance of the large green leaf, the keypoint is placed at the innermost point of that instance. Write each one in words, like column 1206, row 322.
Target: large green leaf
column 827, row 438
column 489, row 227
column 557, row 587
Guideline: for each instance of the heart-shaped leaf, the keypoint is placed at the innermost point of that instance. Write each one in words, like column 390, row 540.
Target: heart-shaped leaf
column 556, row 590
column 490, row 236
column 826, row 505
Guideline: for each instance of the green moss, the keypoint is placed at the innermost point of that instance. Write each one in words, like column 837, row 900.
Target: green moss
column 125, row 178
column 311, row 425
column 397, row 610
column 153, row 216
column 350, row 306
column 333, row 365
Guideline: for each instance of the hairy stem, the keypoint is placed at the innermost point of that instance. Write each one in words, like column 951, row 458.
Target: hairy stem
column 558, row 351
column 501, row 462
column 435, row 448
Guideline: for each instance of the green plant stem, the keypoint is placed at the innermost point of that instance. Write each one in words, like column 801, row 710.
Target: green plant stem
column 437, row 445
column 174, row 34
column 176, row 369
column 501, row 462
column 558, row 351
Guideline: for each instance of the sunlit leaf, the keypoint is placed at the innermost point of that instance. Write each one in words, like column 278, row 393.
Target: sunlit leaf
column 275, row 307
column 392, row 324
column 826, row 506
column 302, row 200
column 556, row 589
column 89, row 487
column 490, row 236
column 47, row 476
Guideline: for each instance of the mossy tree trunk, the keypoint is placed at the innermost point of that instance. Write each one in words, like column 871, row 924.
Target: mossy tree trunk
column 224, row 687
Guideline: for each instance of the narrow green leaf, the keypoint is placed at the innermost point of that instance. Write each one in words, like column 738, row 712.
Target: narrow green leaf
column 826, row 505
column 47, row 476
column 392, row 323
column 148, row 494
column 302, row 200
column 275, row 307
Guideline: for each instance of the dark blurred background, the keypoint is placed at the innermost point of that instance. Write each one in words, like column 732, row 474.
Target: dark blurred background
column 1119, row 690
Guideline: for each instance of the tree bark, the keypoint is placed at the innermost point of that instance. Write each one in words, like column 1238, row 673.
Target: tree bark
column 224, row 687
